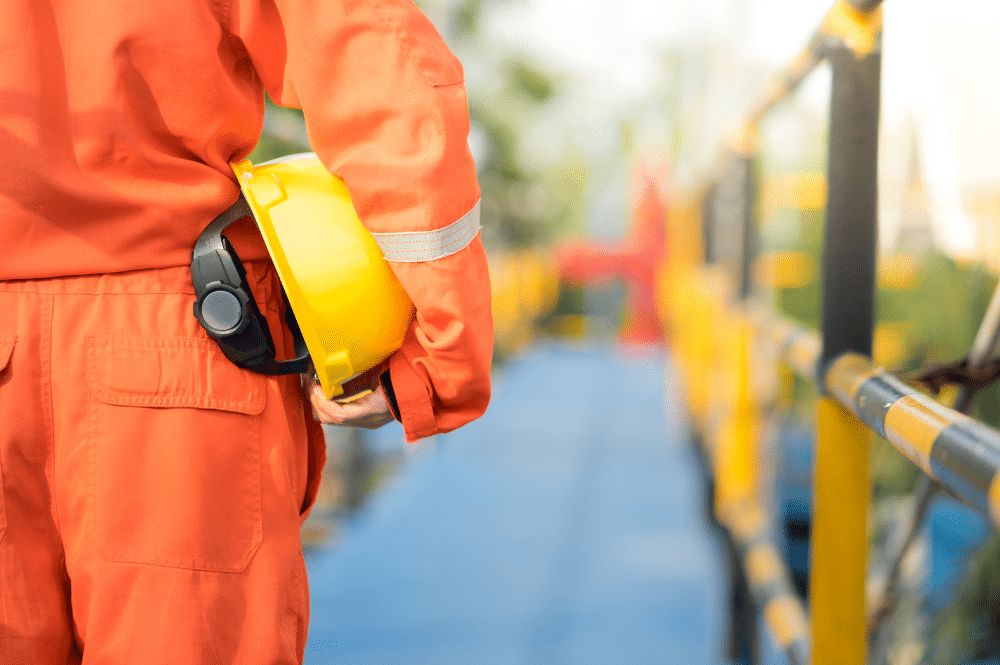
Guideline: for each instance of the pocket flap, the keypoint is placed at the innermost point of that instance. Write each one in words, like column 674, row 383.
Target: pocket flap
column 170, row 372
column 6, row 349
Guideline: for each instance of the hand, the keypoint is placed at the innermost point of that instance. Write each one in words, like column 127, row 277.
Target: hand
column 370, row 412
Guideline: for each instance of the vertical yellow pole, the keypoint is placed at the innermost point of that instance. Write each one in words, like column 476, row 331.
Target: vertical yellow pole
column 737, row 452
column 701, row 351
column 839, row 537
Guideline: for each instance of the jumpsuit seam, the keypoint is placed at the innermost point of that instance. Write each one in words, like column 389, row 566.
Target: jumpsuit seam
column 99, row 292
column 50, row 425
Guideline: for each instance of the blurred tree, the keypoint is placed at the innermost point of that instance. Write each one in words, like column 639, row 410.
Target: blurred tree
column 533, row 182
column 284, row 134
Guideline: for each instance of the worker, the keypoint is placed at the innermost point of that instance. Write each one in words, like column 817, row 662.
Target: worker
column 151, row 492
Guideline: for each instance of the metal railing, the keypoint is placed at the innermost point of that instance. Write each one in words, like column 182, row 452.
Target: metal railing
column 727, row 346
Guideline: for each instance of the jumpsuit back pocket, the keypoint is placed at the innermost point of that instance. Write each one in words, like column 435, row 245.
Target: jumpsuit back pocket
column 174, row 436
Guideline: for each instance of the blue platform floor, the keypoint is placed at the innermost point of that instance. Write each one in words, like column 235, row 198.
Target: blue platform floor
column 565, row 527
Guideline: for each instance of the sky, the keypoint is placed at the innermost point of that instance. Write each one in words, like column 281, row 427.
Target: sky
column 616, row 42
column 940, row 89
column 612, row 52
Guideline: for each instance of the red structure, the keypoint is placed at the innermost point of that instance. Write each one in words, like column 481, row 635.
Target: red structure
column 635, row 260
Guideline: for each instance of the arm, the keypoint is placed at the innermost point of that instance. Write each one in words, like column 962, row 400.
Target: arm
column 386, row 110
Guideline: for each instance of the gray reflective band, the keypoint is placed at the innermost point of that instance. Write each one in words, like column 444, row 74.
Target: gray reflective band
column 429, row 245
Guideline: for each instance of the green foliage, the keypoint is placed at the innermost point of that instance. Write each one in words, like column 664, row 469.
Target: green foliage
column 271, row 147
column 948, row 306
column 524, row 202
column 892, row 472
column 804, row 303
column 465, row 20
column 283, row 134
column 512, row 97
column 531, row 81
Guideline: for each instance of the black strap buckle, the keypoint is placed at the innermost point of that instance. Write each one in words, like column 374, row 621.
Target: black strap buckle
column 226, row 308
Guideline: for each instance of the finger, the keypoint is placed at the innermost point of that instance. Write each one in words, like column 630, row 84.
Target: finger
column 369, row 411
column 334, row 409
column 325, row 410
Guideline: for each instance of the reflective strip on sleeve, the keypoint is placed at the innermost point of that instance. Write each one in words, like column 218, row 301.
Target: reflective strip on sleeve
column 429, row 245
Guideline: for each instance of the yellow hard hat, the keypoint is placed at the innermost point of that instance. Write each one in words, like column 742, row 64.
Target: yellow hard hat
column 350, row 308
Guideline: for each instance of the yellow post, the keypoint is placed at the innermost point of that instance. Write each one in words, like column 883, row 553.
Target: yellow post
column 736, row 455
column 839, row 537
column 700, row 321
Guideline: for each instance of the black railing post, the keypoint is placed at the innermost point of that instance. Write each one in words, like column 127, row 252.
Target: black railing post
column 708, row 224
column 748, row 250
column 850, row 237
column 730, row 219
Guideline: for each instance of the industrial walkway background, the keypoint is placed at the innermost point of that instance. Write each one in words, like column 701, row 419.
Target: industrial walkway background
column 565, row 527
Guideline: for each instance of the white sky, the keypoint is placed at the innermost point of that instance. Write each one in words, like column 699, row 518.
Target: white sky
column 939, row 78
column 616, row 41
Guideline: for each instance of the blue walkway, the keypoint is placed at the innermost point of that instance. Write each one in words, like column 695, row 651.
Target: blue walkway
column 562, row 528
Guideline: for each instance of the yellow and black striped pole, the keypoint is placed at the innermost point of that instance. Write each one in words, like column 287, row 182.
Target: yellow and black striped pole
column 961, row 453
column 842, row 484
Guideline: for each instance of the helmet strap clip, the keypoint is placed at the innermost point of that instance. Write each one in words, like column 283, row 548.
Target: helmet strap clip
column 225, row 306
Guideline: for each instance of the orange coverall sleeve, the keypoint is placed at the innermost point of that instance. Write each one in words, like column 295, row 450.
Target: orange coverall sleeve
column 386, row 109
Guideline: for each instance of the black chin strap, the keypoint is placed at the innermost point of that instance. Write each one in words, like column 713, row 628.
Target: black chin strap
column 225, row 306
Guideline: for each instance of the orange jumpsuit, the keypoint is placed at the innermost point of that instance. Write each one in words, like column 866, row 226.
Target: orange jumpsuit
column 151, row 492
